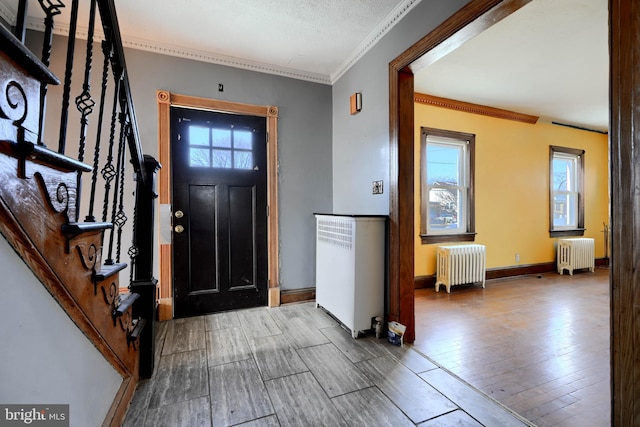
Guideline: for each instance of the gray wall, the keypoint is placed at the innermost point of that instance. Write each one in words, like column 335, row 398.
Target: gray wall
column 45, row 358
column 304, row 134
column 361, row 142
column 327, row 158
column 304, row 139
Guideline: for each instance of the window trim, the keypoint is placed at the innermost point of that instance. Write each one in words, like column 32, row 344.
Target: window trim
column 580, row 154
column 465, row 236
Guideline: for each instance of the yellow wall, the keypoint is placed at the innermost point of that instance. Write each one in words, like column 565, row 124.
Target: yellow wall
column 512, row 185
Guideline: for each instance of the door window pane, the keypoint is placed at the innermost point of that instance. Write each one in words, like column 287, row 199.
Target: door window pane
column 221, row 158
column 198, row 135
column 221, row 137
column 199, row 157
column 243, row 160
column 243, row 139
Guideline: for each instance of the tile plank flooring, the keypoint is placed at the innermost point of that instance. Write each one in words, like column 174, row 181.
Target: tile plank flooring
column 295, row 366
column 540, row 346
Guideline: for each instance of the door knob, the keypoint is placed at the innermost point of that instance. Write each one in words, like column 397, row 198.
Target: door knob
column 179, row 229
column 179, row 214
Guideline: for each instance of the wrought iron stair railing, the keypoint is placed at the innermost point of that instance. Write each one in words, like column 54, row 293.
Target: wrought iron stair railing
column 98, row 141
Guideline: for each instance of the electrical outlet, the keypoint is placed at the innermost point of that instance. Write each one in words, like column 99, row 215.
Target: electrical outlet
column 517, row 257
column 377, row 187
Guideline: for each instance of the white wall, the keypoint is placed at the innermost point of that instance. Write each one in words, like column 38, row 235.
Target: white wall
column 361, row 142
column 44, row 357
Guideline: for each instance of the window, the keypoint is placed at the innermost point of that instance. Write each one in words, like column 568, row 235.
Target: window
column 447, row 171
column 228, row 148
column 566, row 198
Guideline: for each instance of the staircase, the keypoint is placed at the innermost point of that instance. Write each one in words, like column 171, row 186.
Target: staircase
column 78, row 261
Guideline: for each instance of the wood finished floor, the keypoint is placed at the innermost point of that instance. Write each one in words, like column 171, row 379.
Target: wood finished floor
column 540, row 346
column 295, row 366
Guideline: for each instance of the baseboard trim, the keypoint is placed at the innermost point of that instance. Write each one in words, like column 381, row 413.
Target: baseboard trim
column 520, row 270
column 121, row 401
column 297, row 295
column 421, row 282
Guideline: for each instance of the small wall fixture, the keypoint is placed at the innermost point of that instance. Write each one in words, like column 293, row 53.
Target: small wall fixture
column 355, row 103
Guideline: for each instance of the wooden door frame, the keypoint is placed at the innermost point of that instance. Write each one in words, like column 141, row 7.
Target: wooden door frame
column 165, row 100
column 624, row 96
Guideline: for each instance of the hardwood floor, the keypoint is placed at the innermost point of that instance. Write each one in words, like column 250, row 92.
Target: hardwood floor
column 295, row 366
column 540, row 346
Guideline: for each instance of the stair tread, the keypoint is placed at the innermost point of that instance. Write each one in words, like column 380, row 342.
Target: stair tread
column 126, row 301
column 42, row 154
column 77, row 228
column 108, row 270
column 25, row 58
column 139, row 326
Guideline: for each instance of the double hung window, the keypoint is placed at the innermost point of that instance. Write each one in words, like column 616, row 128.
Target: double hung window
column 447, row 186
column 566, row 198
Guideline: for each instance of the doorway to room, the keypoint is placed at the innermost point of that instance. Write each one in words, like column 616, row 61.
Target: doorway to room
column 623, row 19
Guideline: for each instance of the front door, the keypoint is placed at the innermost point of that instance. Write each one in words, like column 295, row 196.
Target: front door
column 219, row 172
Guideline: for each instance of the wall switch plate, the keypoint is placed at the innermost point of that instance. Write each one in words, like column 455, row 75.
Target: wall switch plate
column 377, row 187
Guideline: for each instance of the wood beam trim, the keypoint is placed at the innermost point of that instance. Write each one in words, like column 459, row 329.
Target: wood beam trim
column 164, row 151
column 468, row 22
column 468, row 107
column 178, row 100
column 624, row 95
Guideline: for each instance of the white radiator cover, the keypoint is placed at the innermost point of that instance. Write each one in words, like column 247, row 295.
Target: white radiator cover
column 350, row 268
column 575, row 253
column 460, row 264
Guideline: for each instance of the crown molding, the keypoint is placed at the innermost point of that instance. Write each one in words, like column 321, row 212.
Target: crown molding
column 399, row 12
column 198, row 55
column 229, row 61
column 467, row 107
column 8, row 13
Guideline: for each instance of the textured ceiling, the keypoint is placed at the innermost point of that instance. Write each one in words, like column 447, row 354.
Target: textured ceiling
column 308, row 39
column 548, row 59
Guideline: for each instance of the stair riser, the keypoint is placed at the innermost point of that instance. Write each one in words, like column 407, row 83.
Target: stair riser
column 44, row 201
column 24, row 91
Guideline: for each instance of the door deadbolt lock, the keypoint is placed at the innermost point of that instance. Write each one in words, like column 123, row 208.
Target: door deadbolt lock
column 179, row 229
column 179, row 214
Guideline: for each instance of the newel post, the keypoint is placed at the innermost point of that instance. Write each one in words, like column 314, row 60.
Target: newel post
column 143, row 282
